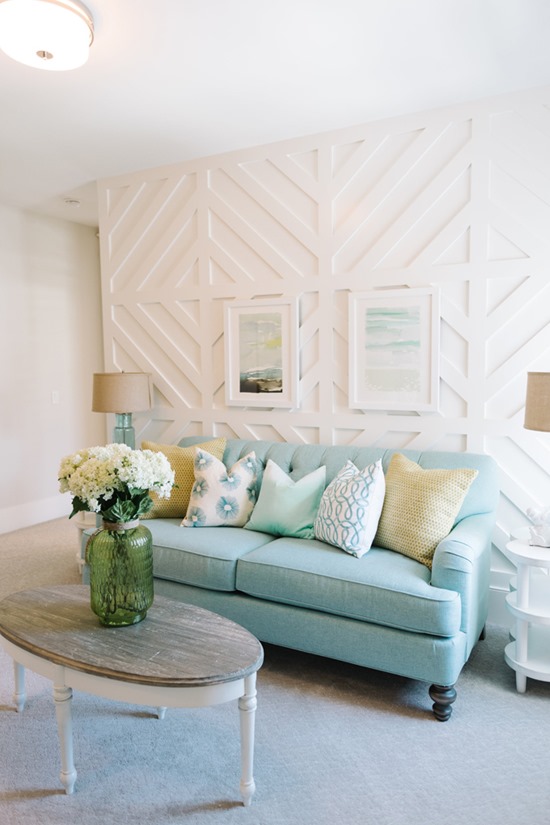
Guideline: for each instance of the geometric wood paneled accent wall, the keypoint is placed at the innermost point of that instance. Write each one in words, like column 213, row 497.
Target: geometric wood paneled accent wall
column 456, row 198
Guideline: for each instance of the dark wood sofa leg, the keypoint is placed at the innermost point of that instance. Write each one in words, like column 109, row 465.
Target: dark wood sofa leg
column 483, row 633
column 443, row 697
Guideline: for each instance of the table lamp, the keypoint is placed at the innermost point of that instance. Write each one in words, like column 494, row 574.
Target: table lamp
column 537, row 417
column 122, row 393
column 537, row 402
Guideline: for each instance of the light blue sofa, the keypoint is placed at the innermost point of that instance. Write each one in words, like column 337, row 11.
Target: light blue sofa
column 384, row 611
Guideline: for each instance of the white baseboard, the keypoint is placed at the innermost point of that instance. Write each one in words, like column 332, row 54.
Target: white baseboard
column 32, row 512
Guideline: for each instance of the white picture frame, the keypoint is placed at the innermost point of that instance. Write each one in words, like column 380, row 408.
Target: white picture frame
column 261, row 353
column 394, row 350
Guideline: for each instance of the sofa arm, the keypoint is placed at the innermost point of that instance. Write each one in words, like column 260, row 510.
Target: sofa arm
column 462, row 562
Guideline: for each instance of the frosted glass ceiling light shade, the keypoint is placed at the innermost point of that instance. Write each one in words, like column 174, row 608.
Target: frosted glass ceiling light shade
column 46, row 34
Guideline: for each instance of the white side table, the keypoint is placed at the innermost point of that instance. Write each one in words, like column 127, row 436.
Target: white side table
column 83, row 521
column 529, row 604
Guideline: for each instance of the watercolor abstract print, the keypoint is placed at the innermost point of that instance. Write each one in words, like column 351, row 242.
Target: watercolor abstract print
column 394, row 349
column 261, row 358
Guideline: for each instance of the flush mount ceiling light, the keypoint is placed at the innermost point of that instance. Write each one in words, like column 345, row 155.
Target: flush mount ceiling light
column 46, row 34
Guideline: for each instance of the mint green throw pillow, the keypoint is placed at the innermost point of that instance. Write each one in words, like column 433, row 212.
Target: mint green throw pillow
column 286, row 507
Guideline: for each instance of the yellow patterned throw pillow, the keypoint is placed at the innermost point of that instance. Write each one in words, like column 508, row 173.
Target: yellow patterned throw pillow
column 420, row 507
column 182, row 462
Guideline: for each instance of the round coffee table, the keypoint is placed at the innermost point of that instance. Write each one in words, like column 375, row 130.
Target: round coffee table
column 179, row 656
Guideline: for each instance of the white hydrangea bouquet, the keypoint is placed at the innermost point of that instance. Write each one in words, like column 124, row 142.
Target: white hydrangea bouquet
column 115, row 481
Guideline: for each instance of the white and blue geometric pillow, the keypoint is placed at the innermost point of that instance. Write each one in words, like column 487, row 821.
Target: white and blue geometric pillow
column 221, row 497
column 350, row 508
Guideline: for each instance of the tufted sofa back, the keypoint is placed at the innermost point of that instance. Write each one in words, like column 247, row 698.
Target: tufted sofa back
column 297, row 460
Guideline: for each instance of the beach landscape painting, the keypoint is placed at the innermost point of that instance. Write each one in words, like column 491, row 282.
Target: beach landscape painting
column 394, row 349
column 261, row 355
column 260, row 352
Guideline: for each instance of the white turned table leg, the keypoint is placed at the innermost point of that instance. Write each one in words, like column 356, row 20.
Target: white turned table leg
column 19, row 695
column 63, row 697
column 521, row 682
column 247, row 713
column 161, row 713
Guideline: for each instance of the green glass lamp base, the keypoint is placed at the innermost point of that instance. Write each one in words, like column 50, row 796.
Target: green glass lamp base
column 124, row 432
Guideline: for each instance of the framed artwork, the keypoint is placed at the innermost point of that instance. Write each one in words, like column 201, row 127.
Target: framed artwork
column 394, row 350
column 261, row 353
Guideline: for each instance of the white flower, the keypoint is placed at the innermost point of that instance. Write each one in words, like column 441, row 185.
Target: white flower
column 98, row 475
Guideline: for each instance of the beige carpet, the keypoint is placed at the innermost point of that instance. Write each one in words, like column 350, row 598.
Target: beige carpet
column 45, row 554
column 334, row 743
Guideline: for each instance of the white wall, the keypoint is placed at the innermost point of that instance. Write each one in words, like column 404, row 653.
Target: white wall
column 50, row 323
column 456, row 198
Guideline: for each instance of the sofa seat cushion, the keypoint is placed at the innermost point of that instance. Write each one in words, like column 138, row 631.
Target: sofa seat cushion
column 204, row 558
column 382, row 587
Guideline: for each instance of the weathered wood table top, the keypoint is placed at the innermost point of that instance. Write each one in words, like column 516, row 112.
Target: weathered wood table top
column 177, row 645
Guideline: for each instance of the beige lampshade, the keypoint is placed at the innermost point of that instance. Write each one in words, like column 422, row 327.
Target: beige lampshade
column 537, row 403
column 121, row 392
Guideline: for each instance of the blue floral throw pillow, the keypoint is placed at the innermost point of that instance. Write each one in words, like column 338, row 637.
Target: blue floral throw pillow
column 350, row 508
column 221, row 497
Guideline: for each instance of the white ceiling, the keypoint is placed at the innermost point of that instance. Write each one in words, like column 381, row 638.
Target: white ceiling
column 171, row 80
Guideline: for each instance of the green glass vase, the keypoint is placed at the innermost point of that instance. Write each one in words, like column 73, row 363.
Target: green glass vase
column 120, row 558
